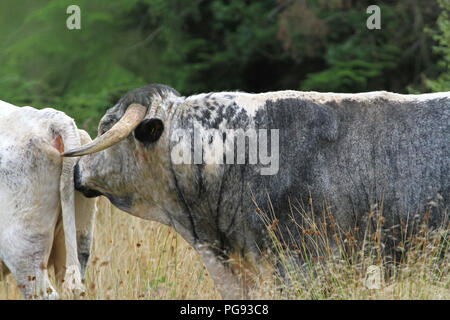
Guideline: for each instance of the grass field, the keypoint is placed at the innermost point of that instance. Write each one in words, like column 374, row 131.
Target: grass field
column 137, row 259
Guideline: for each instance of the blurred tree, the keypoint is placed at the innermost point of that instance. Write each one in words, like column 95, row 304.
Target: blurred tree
column 354, row 57
column 211, row 45
column 79, row 71
column 442, row 37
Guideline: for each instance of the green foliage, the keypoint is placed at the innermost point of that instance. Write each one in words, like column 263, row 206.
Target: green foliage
column 79, row 71
column 442, row 37
column 199, row 46
column 356, row 57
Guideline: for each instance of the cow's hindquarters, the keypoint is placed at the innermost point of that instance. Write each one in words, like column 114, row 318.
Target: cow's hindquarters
column 28, row 215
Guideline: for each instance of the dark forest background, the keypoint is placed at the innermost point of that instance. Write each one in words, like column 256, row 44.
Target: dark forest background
column 199, row 46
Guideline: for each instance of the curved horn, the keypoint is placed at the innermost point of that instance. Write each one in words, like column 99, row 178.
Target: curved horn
column 130, row 120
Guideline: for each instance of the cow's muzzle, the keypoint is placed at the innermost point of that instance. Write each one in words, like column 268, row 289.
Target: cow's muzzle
column 88, row 193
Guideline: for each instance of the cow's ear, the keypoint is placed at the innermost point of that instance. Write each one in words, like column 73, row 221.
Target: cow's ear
column 326, row 123
column 149, row 130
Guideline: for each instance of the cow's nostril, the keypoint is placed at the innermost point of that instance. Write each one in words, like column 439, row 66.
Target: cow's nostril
column 89, row 193
column 77, row 177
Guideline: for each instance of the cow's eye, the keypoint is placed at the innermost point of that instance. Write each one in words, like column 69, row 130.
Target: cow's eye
column 149, row 130
column 105, row 125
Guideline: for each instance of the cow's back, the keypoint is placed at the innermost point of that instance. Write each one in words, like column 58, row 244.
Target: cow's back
column 394, row 153
column 388, row 150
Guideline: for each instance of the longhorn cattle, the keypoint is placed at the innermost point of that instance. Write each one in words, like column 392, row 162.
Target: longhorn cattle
column 183, row 161
column 43, row 221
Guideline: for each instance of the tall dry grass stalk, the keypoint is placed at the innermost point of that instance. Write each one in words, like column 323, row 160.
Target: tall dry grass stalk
column 138, row 259
column 378, row 262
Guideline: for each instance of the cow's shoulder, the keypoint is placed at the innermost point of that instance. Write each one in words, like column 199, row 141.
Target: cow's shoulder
column 239, row 109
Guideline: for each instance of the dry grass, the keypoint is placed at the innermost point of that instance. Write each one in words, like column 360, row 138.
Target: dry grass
column 358, row 264
column 138, row 259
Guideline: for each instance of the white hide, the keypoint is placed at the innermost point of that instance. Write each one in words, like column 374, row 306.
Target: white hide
column 31, row 195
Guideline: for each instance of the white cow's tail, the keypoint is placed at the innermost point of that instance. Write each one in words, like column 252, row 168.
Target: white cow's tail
column 70, row 138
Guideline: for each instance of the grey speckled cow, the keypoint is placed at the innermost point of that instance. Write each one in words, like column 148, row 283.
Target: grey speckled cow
column 43, row 220
column 350, row 150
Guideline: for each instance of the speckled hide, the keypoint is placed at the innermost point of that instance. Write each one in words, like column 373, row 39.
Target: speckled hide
column 347, row 152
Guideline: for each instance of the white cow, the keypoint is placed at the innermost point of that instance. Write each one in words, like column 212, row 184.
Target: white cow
column 43, row 221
